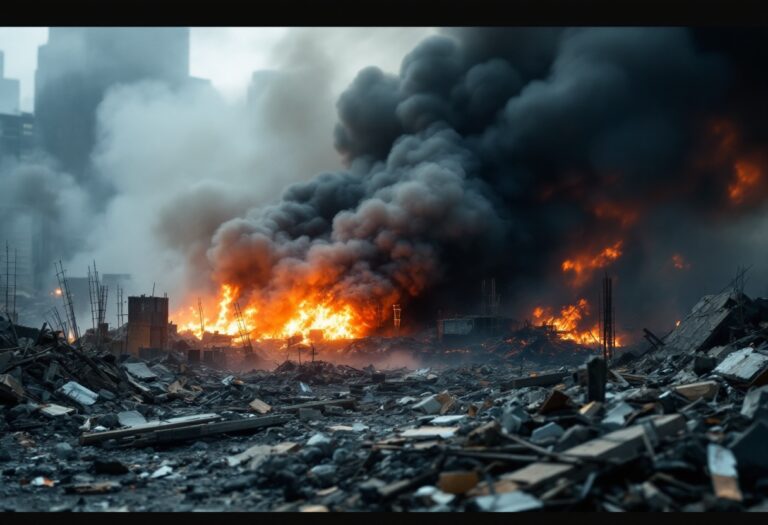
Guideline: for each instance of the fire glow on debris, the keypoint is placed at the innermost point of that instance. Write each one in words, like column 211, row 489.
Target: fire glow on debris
column 335, row 321
column 569, row 324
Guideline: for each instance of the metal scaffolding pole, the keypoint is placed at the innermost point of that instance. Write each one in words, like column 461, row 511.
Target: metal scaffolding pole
column 67, row 297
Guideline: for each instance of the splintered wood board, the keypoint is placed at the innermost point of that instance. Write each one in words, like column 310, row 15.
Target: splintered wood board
column 624, row 444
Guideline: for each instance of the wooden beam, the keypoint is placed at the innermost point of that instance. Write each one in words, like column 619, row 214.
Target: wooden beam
column 173, row 435
column 622, row 445
column 90, row 438
column 345, row 403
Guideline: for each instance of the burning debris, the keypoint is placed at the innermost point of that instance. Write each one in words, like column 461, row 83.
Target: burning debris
column 539, row 423
column 297, row 372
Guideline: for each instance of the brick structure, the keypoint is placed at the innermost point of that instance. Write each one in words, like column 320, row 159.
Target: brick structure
column 147, row 323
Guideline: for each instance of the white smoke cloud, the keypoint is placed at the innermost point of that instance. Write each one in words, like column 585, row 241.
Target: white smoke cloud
column 184, row 161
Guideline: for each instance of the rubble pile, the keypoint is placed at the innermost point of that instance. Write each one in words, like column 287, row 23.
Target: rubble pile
column 681, row 425
column 537, row 344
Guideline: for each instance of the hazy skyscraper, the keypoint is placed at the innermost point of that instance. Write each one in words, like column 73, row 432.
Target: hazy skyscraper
column 77, row 66
column 9, row 91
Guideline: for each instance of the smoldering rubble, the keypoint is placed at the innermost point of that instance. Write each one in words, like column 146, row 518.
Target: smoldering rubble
column 677, row 424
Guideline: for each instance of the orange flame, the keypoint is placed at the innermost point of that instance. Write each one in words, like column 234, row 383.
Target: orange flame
column 334, row 320
column 745, row 166
column 747, row 177
column 582, row 265
column 569, row 324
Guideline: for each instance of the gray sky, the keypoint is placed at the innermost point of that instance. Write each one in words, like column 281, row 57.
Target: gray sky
column 229, row 55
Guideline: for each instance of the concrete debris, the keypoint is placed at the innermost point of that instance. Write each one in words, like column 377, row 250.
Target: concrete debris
column 745, row 368
column 545, row 425
column 77, row 392
column 140, row 371
column 507, row 502
column 706, row 325
column 704, row 390
column 53, row 410
column 755, row 403
column 722, row 468
column 257, row 405
column 547, row 432
column 130, row 418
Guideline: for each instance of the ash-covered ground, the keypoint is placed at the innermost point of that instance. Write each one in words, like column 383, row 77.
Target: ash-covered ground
column 676, row 425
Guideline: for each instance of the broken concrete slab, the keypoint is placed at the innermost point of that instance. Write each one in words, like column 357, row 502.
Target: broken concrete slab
column 77, row 392
column 744, row 368
column 517, row 501
column 131, row 418
column 436, row 404
column 755, row 403
column 549, row 431
column 703, row 390
column 53, row 410
column 707, row 323
column 140, row 371
column 429, row 432
column 722, row 468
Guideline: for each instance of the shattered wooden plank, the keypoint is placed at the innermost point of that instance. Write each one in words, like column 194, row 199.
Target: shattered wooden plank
column 622, row 445
column 344, row 403
column 257, row 405
column 97, row 437
column 556, row 400
column 702, row 390
column 186, row 433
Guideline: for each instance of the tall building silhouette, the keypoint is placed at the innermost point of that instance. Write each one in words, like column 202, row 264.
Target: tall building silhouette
column 78, row 65
column 9, row 91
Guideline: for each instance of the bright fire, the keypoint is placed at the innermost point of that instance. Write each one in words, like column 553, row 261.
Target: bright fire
column 569, row 323
column 584, row 263
column 336, row 321
column 746, row 179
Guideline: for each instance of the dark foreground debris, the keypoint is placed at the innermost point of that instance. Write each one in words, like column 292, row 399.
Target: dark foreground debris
column 682, row 425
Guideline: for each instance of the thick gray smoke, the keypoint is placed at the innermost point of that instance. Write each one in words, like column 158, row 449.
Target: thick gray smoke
column 503, row 153
column 35, row 199
column 182, row 159
column 493, row 152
